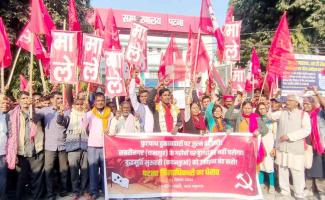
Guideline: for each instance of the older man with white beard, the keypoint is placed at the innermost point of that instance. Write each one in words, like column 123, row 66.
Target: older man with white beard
column 293, row 127
column 124, row 121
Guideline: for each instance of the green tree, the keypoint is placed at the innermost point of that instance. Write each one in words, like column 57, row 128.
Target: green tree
column 16, row 13
column 260, row 18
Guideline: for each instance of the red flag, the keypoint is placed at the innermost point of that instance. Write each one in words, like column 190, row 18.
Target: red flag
column 5, row 54
column 41, row 21
column 162, row 68
column 209, row 24
column 230, row 14
column 189, row 47
column 203, row 60
column 25, row 39
column 73, row 16
column 111, row 37
column 23, row 83
column 215, row 77
column 281, row 58
column 98, row 24
column 175, row 67
column 255, row 61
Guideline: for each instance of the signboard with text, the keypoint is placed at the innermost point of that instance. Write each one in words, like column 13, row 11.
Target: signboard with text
column 185, row 165
column 307, row 74
column 232, row 41
column 92, row 51
column 64, row 57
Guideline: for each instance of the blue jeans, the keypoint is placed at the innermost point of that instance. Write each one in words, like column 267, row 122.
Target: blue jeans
column 96, row 161
column 3, row 175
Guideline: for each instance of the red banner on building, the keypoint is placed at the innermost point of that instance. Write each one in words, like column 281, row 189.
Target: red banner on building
column 238, row 80
column 92, row 51
column 64, row 57
column 232, row 41
column 114, row 84
column 219, row 165
column 136, row 51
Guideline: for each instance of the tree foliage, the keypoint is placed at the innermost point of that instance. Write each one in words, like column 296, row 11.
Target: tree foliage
column 260, row 18
column 16, row 13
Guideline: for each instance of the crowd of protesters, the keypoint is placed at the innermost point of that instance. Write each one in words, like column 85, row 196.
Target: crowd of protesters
column 53, row 139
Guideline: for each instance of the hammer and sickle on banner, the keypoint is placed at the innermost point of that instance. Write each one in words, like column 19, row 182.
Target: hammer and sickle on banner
column 243, row 182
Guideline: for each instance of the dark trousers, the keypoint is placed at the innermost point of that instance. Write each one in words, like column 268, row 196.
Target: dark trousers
column 30, row 170
column 50, row 157
column 78, row 165
column 3, row 176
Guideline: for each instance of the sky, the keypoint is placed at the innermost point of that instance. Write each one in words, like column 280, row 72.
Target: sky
column 179, row 7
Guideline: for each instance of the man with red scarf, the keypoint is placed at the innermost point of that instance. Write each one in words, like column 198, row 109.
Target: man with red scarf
column 316, row 174
column 166, row 115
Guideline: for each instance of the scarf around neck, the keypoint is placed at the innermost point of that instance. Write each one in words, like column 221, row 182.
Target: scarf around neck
column 198, row 122
column 12, row 146
column 166, row 116
column 104, row 116
column 253, row 125
column 314, row 135
column 75, row 119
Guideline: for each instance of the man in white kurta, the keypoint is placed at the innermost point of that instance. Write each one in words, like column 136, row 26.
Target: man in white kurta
column 293, row 128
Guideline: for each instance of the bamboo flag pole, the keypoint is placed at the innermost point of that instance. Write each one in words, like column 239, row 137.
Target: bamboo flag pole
column 42, row 77
column 31, row 75
column 63, row 85
column 197, row 52
column 13, row 69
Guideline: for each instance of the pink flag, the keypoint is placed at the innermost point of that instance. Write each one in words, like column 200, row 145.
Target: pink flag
column 203, row 60
column 23, row 83
column 162, row 68
column 209, row 24
column 5, row 54
column 25, row 39
column 41, row 21
column 98, row 24
column 230, row 14
column 73, row 16
column 175, row 67
column 111, row 38
column 256, row 68
column 281, row 58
